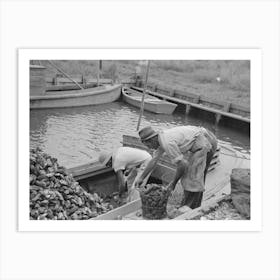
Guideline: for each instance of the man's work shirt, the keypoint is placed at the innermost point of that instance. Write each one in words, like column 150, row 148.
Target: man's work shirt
column 186, row 143
column 177, row 141
column 127, row 158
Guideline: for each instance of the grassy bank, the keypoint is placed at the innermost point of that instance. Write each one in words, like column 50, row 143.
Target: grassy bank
column 223, row 80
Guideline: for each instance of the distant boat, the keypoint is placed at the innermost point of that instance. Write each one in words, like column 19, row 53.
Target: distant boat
column 69, row 95
column 76, row 98
column 151, row 103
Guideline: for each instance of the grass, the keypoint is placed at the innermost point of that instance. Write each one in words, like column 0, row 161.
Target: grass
column 226, row 80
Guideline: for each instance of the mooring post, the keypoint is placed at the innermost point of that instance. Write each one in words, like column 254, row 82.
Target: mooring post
column 172, row 92
column 217, row 118
column 55, row 82
column 154, row 88
column 226, row 106
column 188, row 108
column 84, row 81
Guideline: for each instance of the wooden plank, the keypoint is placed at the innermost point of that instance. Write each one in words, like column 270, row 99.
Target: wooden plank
column 88, row 170
column 210, row 193
column 187, row 96
column 211, row 203
column 120, row 211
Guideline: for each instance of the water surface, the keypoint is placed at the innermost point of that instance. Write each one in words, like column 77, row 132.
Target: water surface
column 76, row 135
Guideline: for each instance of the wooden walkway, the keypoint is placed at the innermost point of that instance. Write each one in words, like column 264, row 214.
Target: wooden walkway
column 218, row 113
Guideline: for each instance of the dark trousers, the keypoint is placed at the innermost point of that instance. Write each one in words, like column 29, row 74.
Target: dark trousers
column 194, row 199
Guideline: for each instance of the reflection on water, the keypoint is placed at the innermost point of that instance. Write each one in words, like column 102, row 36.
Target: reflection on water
column 77, row 135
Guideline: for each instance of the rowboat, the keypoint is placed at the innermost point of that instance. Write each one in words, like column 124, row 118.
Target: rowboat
column 76, row 98
column 96, row 178
column 151, row 103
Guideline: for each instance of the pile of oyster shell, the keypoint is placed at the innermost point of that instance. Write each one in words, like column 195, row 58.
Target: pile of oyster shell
column 55, row 195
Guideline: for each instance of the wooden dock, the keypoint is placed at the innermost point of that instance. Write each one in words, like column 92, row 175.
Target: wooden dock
column 220, row 109
column 191, row 101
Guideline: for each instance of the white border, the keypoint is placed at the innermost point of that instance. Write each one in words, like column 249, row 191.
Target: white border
column 254, row 55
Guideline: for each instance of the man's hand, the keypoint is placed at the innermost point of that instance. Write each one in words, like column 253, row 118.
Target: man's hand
column 182, row 166
column 138, row 183
column 133, row 194
column 170, row 188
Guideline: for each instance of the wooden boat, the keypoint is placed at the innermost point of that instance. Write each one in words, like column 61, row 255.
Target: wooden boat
column 217, row 180
column 151, row 103
column 76, row 98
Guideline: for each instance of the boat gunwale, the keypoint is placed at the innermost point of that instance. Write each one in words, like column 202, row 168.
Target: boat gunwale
column 155, row 100
column 76, row 94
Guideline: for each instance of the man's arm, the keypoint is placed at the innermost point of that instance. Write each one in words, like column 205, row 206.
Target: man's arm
column 121, row 181
column 149, row 168
column 182, row 165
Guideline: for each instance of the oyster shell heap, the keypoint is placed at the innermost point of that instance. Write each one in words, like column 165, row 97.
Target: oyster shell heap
column 55, row 195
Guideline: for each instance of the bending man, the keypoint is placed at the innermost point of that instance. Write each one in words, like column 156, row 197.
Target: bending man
column 191, row 148
column 128, row 164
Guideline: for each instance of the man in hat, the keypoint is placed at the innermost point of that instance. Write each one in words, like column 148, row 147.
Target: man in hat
column 191, row 148
column 128, row 164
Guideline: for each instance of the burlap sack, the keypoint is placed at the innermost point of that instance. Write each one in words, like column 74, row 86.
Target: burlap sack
column 240, row 190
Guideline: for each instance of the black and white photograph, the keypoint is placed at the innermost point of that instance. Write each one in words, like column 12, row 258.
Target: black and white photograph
column 135, row 139
column 139, row 140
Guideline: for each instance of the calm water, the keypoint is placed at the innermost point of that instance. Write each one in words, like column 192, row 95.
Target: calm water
column 77, row 135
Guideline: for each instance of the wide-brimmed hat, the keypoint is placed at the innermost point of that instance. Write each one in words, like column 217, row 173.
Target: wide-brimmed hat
column 147, row 133
column 104, row 157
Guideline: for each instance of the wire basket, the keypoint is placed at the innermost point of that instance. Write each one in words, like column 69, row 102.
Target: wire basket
column 154, row 213
column 154, row 206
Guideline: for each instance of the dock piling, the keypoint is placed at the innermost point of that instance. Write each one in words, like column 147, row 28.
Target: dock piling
column 84, row 81
column 217, row 118
column 188, row 108
column 55, row 81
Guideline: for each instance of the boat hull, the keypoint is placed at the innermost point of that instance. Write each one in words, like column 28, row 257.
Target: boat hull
column 76, row 98
column 156, row 106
